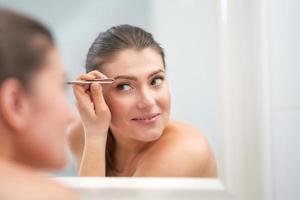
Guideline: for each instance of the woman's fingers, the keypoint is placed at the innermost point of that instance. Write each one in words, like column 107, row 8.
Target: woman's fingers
column 97, row 97
column 97, row 74
column 89, row 96
column 81, row 92
column 91, row 105
column 84, row 102
column 96, row 92
column 86, row 77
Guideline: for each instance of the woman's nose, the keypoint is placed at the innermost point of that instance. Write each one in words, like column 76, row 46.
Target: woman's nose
column 146, row 99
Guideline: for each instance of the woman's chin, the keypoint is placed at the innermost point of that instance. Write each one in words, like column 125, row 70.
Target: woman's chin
column 152, row 137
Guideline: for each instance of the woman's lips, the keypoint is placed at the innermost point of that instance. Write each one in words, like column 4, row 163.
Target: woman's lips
column 147, row 119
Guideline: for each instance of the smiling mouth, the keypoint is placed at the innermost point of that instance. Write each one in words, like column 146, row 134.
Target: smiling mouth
column 146, row 118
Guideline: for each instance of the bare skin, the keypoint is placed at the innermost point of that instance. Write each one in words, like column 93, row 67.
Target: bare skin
column 28, row 185
column 181, row 146
column 136, row 108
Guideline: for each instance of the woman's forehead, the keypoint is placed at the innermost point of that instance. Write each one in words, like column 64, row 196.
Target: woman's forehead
column 135, row 71
column 133, row 61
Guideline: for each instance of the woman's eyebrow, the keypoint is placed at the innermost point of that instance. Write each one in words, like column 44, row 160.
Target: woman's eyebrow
column 125, row 77
column 156, row 72
column 135, row 78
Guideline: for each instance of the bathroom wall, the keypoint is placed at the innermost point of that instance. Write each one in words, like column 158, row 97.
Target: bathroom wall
column 285, row 74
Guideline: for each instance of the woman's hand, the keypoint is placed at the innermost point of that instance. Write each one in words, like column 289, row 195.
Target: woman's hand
column 92, row 107
column 96, row 117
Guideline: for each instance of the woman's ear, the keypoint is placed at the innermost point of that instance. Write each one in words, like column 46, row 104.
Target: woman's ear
column 14, row 107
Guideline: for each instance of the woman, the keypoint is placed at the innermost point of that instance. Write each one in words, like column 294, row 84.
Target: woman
column 32, row 98
column 126, row 124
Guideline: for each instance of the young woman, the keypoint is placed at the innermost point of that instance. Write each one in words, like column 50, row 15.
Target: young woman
column 32, row 98
column 125, row 127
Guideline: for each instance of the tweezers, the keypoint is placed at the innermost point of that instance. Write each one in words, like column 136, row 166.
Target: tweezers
column 101, row 81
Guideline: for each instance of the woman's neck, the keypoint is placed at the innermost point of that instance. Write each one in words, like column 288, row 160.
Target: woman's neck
column 9, row 149
column 128, row 153
column 6, row 145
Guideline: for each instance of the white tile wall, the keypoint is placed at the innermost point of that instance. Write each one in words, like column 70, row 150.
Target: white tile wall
column 285, row 51
column 286, row 157
column 285, row 67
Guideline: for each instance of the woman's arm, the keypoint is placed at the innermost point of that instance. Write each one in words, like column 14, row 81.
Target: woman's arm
column 93, row 157
column 89, row 152
column 95, row 117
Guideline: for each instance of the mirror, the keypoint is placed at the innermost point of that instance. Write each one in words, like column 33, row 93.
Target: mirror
column 186, row 29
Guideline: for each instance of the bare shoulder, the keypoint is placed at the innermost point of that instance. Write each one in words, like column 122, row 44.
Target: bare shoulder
column 180, row 130
column 182, row 150
column 186, row 138
column 18, row 182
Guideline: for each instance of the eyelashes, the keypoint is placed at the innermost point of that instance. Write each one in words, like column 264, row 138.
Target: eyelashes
column 123, row 87
column 156, row 82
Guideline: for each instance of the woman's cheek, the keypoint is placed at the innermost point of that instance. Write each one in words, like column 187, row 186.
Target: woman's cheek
column 113, row 102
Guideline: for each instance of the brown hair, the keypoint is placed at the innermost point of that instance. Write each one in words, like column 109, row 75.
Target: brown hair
column 23, row 45
column 106, row 46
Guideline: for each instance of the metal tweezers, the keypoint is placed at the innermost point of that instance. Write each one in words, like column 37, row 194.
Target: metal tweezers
column 101, row 81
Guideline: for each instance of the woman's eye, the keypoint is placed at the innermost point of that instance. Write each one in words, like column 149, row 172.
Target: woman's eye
column 124, row 87
column 157, row 81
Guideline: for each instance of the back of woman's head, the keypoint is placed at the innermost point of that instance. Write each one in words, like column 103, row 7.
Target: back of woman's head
column 24, row 43
column 116, row 39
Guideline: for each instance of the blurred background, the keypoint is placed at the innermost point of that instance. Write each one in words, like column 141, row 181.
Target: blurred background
column 185, row 29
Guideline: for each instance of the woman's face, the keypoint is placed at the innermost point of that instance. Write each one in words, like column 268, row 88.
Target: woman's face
column 139, row 99
column 44, row 145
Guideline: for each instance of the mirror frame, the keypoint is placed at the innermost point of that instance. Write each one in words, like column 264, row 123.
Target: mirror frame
column 244, row 119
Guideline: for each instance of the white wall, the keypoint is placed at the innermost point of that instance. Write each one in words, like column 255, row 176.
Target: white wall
column 285, row 66
column 188, row 32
